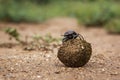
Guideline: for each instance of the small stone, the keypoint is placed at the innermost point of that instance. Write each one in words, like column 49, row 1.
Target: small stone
column 57, row 72
column 103, row 70
column 38, row 76
column 48, row 55
column 114, row 73
column 75, row 52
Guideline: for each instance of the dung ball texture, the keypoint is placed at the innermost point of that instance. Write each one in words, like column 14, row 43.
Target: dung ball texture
column 75, row 52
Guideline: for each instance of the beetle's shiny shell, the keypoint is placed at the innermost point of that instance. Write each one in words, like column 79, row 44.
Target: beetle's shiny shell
column 69, row 32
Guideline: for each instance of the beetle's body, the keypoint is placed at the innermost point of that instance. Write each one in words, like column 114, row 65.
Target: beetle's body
column 71, row 35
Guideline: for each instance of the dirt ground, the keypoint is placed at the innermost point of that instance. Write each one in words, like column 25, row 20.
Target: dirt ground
column 18, row 64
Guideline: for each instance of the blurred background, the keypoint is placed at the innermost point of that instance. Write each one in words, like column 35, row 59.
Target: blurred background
column 30, row 36
column 104, row 13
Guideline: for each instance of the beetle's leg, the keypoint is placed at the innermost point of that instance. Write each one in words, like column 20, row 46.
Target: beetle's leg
column 75, row 36
column 80, row 36
column 64, row 39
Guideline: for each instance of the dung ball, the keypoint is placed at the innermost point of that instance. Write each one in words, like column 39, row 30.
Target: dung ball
column 75, row 52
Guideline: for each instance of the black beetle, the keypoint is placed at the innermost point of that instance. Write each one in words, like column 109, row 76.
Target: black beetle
column 71, row 35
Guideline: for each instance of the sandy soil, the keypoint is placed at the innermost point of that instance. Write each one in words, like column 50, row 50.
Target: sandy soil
column 18, row 64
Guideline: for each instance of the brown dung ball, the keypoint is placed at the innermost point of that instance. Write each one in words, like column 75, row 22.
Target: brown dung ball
column 75, row 52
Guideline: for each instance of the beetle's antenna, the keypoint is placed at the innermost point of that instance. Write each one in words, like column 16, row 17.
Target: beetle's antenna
column 80, row 36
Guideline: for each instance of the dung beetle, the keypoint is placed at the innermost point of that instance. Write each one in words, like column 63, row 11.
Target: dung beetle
column 71, row 35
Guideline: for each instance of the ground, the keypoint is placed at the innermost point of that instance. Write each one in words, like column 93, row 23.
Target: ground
column 18, row 64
